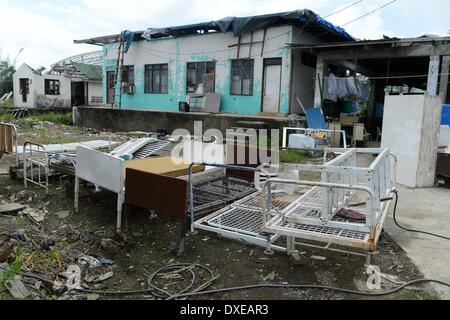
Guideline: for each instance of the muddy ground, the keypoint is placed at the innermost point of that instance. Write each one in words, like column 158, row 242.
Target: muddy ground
column 50, row 247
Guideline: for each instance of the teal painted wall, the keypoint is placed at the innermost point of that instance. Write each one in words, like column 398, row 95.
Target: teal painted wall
column 246, row 105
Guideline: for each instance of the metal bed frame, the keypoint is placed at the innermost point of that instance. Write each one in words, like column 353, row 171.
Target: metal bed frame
column 313, row 214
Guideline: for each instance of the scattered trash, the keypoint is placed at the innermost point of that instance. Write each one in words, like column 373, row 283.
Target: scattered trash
column 87, row 237
column 19, row 235
column 88, row 260
column 319, row 258
column 270, row 277
column 106, row 261
column 17, row 289
column 98, row 279
column 11, row 208
column 36, row 216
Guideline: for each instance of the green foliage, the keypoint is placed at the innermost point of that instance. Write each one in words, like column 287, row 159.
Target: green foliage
column 293, row 156
column 6, row 76
column 10, row 270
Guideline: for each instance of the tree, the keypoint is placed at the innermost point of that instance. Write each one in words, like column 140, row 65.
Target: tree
column 6, row 76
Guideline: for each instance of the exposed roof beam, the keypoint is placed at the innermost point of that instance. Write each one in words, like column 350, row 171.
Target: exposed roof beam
column 380, row 53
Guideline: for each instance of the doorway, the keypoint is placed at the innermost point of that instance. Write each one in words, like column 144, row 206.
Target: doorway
column 111, row 81
column 271, row 85
column 78, row 94
column 24, row 89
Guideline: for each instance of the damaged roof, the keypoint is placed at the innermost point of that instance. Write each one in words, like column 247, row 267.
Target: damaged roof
column 239, row 25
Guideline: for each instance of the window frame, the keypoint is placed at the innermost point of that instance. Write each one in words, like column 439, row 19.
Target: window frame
column 242, row 70
column 149, row 77
column 50, row 89
column 128, row 70
column 205, row 65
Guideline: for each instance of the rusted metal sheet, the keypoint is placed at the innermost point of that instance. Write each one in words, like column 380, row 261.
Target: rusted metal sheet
column 166, row 195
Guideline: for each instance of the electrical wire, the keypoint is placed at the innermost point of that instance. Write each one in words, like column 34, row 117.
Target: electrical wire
column 343, row 9
column 412, row 230
column 369, row 13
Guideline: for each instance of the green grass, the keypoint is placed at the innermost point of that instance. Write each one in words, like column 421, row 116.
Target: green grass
column 293, row 156
column 11, row 269
column 57, row 118
column 7, row 103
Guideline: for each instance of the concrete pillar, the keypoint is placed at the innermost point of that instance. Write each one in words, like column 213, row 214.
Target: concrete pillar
column 433, row 75
column 318, row 90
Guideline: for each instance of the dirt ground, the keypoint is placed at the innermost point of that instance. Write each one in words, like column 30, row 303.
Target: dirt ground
column 50, row 247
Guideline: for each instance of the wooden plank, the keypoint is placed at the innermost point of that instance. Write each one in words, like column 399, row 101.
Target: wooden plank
column 162, row 166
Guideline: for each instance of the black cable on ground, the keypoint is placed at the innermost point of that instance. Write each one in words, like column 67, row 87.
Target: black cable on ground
column 304, row 287
column 412, row 230
column 159, row 292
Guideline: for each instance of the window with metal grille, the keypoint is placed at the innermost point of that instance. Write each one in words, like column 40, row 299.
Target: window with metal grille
column 201, row 75
column 156, row 78
column 242, row 71
column 52, row 87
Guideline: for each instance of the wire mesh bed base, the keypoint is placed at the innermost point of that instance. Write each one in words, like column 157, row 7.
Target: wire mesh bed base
column 347, row 208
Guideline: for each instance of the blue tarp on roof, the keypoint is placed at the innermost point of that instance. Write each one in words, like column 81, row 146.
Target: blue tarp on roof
column 243, row 25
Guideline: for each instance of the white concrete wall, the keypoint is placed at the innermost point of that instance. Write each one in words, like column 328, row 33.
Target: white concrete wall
column 410, row 130
column 37, row 97
column 24, row 72
column 95, row 89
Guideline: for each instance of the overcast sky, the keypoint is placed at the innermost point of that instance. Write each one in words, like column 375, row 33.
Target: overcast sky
column 46, row 29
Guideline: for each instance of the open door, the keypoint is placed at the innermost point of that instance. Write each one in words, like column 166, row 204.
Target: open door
column 271, row 85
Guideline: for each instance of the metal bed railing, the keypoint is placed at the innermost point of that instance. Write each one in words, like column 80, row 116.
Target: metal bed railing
column 35, row 157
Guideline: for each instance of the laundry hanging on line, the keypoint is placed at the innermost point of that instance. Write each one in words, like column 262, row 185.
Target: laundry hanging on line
column 345, row 88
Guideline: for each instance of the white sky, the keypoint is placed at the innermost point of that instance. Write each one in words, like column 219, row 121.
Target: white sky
column 46, row 29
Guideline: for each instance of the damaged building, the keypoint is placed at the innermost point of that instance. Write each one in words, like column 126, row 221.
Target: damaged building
column 233, row 65
column 71, row 82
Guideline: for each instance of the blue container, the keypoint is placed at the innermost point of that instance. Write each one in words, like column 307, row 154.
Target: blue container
column 445, row 115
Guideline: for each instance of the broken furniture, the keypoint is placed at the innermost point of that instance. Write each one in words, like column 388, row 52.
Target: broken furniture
column 321, row 138
column 347, row 207
column 8, row 140
column 39, row 160
column 109, row 172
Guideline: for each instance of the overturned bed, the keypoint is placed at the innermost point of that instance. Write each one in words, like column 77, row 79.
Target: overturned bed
column 344, row 210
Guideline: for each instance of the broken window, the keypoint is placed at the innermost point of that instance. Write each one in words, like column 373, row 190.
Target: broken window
column 156, row 78
column 242, row 71
column 128, row 75
column 52, row 87
column 201, row 75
